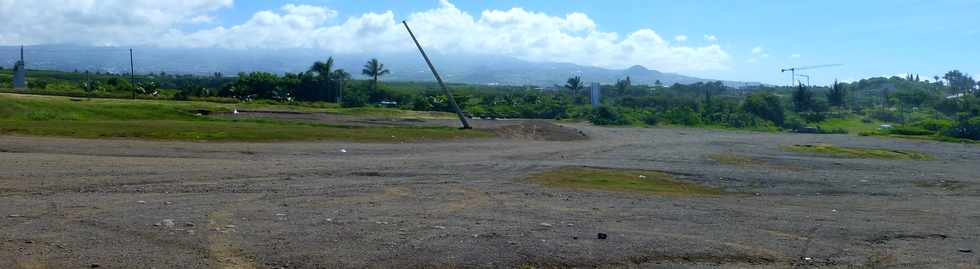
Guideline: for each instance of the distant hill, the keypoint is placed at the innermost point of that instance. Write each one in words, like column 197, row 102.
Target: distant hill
column 474, row 69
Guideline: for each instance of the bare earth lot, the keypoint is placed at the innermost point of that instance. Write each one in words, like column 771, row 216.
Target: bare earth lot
column 71, row 203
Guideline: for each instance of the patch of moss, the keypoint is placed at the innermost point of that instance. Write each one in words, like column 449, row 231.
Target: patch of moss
column 867, row 153
column 589, row 178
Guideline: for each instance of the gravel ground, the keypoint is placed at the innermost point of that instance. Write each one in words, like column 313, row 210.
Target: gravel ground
column 70, row 203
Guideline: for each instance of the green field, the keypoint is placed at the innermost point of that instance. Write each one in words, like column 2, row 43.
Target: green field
column 177, row 120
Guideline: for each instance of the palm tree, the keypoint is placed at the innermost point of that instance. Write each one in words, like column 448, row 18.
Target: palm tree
column 340, row 74
column 321, row 74
column 322, row 69
column 374, row 69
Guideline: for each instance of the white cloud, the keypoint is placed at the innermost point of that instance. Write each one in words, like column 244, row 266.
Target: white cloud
column 516, row 32
column 758, row 53
column 202, row 19
column 680, row 38
column 711, row 38
column 105, row 22
column 795, row 56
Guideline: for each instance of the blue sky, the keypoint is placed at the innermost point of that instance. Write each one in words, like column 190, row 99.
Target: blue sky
column 753, row 38
column 870, row 38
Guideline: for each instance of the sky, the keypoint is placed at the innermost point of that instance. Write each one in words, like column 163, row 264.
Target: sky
column 745, row 40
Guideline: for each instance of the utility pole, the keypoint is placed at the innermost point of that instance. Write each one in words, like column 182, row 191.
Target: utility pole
column 452, row 100
column 132, row 72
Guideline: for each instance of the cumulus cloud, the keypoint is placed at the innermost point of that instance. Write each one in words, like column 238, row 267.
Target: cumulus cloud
column 711, row 38
column 680, row 38
column 758, row 53
column 202, row 19
column 516, row 32
column 104, row 22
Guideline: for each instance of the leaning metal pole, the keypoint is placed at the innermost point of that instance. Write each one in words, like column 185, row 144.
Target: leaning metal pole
column 452, row 100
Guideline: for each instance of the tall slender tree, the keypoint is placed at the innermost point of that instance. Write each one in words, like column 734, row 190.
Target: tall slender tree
column 574, row 84
column 375, row 70
column 836, row 95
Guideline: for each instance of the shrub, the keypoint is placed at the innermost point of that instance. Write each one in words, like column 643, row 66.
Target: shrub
column 967, row 127
column 886, row 116
column 682, row 116
column 934, row 125
column 607, row 116
column 910, row 130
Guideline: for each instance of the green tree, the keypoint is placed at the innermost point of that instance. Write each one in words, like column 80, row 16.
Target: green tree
column 837, row 95
column 959, row 82
column 766, row 106
column 802, row 99
column 322, row 70
column 374, row 69
column 574, row 84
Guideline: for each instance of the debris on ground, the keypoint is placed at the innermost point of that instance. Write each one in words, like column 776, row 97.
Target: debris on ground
column 964, row 250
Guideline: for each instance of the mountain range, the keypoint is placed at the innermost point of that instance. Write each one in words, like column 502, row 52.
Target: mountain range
column 473, row 69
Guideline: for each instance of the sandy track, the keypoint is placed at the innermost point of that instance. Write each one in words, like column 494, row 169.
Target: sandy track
column 71, row 203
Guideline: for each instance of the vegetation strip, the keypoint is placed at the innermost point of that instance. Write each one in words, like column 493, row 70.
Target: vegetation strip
column 171, row 120
column 867, row 153
column 607, row 179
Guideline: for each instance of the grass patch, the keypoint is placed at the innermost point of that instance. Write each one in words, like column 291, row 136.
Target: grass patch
column 588, row 178
column 853, row 124
column 867, row 153
column 178, row 120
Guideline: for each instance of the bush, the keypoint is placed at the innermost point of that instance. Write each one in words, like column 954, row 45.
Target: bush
column 813, row 117
column 607, row 116
column 967, row 127
column 910, row 130
column 682, row 116
column 766, row 106
column 933, row 124
column 886, row 116
column 794, row 123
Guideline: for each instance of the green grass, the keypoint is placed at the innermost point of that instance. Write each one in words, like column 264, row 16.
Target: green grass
column 176, row 120
column 853, row 124
column 866, row 153
column 652, row 182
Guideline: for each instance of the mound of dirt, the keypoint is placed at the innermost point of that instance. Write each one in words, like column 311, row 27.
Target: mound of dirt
column 539, row 130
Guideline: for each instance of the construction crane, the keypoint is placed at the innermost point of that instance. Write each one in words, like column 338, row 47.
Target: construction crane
column 807, row 79
column 794, row 69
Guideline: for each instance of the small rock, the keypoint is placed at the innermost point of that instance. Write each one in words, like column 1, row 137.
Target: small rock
column 574, row 237
column 343, row 150
column 189, row 224
column 14, row 216
column 642, row 176
column 602, row 236
column 168, row 203
column 439, row 227
column 329, row 220
column 545, row 224
column 169, row 223
column 140, row 202
column 229, row 226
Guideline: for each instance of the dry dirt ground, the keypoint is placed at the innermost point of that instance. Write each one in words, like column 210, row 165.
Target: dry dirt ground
column 72, row 203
